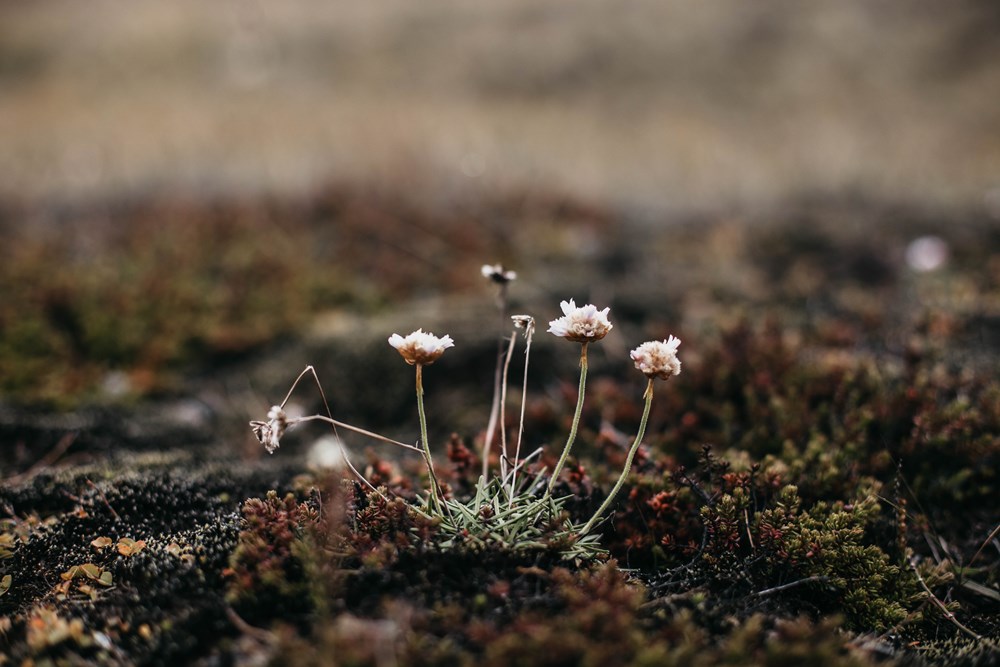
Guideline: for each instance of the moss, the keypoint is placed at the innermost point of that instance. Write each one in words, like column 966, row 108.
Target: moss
column 167, row 599
column 828, row 542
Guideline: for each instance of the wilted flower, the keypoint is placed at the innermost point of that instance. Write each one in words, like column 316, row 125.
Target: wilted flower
column 522, row 321
column 583, row 324
column 421, row 348
column 498, row 274
column 658, row 359
column 269, row 433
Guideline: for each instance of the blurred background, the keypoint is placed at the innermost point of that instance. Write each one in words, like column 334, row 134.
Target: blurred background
column 197, row 199
column 642, row 102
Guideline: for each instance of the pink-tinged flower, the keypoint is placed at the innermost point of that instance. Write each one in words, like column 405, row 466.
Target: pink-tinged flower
column 269, row 433
column 658, row 359
column 421, row 348
column 583, row 325
column 498, row 274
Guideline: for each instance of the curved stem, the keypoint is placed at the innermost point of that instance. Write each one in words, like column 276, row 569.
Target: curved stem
column 628, row 461
column 334, row 422
column 494, row 412
column 576, row 420
column 435, row 498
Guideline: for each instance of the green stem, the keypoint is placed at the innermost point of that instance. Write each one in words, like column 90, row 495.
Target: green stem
column 576, row 420
column 435, row 498
column 628, row 461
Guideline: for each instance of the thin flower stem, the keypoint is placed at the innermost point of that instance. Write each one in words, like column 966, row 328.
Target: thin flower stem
column 520, row 464
column 495, row 409
column 503, row 406
column 494, row 412
column 628, row 461
column 307, row 369
column 362, row 431
column 529, row 330
column 333, row 422
column 576, row 420
column 435, row 497
column 357, row 474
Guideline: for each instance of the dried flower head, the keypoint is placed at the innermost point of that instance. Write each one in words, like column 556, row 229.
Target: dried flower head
column 269, row 433
column 583, row 325
column 498, row 274
column 421, row 348
column 658, row 359
column 523, row 321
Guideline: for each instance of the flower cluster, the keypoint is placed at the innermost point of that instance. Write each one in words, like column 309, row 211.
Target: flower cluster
column 421, row 348
column 583, row 325
column 658, row 359
column 586, row 324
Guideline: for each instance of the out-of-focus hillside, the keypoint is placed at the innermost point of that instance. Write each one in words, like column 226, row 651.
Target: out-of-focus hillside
column 676, row 104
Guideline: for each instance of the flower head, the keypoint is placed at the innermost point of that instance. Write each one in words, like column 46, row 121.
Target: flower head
column 269, row 433
column 523, row 321
column 658, row 359
column 583, row 324
column 421, row 348
column 498, row 274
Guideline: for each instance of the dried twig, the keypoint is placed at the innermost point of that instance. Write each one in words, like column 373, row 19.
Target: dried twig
column 941, row 605
column 105, row 499
column 985, row 542
column 816, row 578
column 49, row 459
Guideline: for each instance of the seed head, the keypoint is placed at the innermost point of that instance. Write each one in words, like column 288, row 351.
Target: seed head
column 583, row 325
column 498, row 274
column 421, row 348
column 523, row 321
column 658, row 359
column 269, row 433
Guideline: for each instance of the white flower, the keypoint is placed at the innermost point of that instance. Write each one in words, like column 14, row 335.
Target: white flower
column 581, row 324
column 498, row 274
column 658, row 359
column 269, row 433
column 421, row 348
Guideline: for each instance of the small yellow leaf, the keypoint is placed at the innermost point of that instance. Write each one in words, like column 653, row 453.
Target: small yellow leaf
column 90, row 570
column 70, row 573
column 5, row 583
column 106, row 579
column 101, row 542
column 129, row 547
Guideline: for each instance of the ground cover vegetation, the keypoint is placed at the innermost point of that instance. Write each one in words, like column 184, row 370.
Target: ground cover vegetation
column 817, row 486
